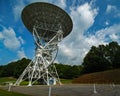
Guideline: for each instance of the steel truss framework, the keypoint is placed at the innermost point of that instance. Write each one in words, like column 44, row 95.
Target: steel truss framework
column 41, row 68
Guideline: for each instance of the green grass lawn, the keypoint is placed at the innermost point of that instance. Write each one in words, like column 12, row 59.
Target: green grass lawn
column 6, row 93
column 66, row 81
column 6, row 80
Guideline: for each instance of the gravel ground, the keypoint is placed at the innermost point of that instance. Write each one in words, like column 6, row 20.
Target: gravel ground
column 71, row 90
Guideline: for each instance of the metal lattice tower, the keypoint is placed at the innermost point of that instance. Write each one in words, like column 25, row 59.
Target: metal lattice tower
column 48, row 24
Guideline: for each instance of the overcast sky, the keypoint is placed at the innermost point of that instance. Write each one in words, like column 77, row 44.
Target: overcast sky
column 95, row 22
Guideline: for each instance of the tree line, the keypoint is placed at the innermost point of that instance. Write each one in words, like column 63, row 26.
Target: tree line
column 15, row 69
column 101, row 58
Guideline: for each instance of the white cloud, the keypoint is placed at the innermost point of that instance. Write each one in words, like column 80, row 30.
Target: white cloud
column 114, row 37
column 104, row 36
column 1, row 36
column 21, row 40
column 12, row 42
column 61, row 3
column 9, row 38
column 109, row 33
column 107, row 23
column 21, row 54
column 17, row 9
column 83, row 17
column 114, row 10
column 74, row 47
column 110, row 8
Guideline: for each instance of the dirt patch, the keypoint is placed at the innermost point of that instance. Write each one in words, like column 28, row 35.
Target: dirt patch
column 106, row 77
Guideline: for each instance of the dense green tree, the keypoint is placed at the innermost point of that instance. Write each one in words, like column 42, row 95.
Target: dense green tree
column 1, row 70
column 7, row 70
column 73, row 72
column 102, row 58
column 15, row 69
column 20, row 66
column 68, row 71
column 94, row 60
column 114, row 54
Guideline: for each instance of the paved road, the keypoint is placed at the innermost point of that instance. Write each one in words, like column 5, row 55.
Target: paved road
column 70, row 90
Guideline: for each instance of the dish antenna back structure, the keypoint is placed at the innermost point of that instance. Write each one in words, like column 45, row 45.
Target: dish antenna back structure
column 49, row 24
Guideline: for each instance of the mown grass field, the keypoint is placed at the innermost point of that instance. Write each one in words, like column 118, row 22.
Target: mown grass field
column 7, row 80
column 66, row 81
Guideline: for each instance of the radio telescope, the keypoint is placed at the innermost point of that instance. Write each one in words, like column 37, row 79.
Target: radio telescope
column 48, row 24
